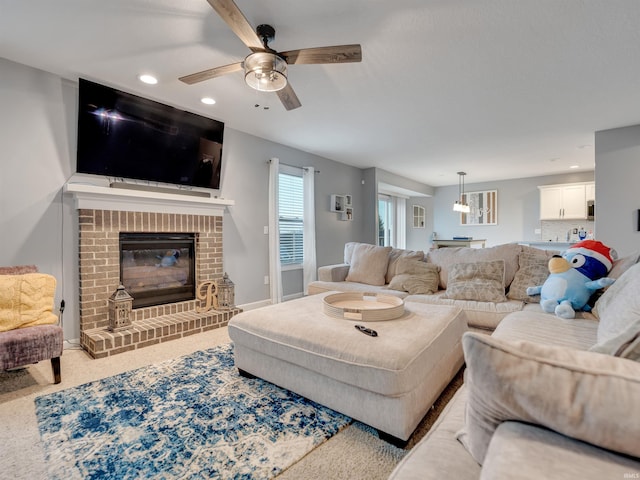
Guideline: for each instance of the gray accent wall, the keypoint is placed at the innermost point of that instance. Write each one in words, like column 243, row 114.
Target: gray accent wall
column 617, row 190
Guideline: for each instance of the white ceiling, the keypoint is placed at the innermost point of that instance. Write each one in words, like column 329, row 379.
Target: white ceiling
column 498, row 88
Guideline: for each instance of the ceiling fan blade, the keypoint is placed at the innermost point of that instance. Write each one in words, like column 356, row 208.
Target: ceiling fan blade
column 231, row 14
column 211, row 73
column 289, row 98
column 335, row 54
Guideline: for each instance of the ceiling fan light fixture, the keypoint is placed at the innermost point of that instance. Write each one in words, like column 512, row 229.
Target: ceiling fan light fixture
column 265, row 71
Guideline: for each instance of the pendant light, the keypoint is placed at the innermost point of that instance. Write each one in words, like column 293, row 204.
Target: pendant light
column 459, row 205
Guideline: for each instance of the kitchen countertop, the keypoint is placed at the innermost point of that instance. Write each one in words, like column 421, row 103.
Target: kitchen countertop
column 547, row 245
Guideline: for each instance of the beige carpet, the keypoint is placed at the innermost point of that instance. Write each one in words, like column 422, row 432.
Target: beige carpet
column 355, row 453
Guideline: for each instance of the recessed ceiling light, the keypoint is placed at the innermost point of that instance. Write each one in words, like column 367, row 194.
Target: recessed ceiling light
column 148, row 79
column 208, row 100
column 574, row 166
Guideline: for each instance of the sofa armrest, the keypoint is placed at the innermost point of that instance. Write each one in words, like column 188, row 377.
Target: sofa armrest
column 333, row 273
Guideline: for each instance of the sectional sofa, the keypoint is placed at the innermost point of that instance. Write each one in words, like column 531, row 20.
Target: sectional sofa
column 543, row 397
column 487, row 283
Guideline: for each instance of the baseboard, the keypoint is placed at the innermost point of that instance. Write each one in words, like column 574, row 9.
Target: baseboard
column 267, row 302
column 254, row 305
column 293, row 296
column 72, row 344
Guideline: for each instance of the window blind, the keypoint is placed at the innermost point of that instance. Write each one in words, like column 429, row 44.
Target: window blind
column 290, row 218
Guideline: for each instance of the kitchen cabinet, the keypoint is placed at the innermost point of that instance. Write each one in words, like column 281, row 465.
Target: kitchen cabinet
column 564, row 202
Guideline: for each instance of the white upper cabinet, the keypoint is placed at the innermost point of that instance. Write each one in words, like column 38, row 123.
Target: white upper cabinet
column 565, row 202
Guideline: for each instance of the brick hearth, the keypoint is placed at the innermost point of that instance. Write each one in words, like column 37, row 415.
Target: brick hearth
column 100, row 276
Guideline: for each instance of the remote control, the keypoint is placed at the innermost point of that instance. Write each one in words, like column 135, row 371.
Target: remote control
column 367, row 331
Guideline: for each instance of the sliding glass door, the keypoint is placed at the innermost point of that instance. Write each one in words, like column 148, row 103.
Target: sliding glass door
column 385, row 220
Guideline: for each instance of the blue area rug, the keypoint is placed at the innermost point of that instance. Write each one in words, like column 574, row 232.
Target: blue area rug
column 193, row 417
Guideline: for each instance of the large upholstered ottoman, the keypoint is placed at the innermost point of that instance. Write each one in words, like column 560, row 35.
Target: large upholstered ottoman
column 389, row 381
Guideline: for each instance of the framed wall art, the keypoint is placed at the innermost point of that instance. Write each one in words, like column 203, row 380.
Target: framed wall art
column 483, row 208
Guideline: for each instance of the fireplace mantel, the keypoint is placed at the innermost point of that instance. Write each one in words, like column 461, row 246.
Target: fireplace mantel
column 87, row 196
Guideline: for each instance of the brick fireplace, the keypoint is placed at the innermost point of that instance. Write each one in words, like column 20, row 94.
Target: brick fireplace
column 99, row 261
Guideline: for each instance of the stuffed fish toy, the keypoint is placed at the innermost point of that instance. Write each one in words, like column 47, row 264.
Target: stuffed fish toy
column 573, row 278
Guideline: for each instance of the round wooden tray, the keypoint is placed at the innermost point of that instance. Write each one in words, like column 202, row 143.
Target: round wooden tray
column 369, row 307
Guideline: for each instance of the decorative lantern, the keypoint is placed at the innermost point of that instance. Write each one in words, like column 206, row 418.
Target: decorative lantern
column 225, row 293
column 120, row 306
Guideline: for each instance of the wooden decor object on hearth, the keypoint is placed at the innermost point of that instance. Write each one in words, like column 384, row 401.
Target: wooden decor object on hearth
column 120, row 307
column 207, row 293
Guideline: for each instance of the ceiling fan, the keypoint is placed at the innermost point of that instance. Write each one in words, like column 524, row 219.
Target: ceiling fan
column 264, row 68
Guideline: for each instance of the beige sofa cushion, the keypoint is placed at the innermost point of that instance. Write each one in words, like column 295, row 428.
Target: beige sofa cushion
column 527, row 452
column 415, row 276
column 584, row 395
column 368, row 264
column 623, row 264
column 445, row 258
column 533, row 271
column 348, row 251
column 480, row 281
column 619, row 312
column 395, row 255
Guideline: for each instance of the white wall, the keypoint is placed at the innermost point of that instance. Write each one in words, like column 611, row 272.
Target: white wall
column 518, row 208
column 38, row 125
column 617, row 197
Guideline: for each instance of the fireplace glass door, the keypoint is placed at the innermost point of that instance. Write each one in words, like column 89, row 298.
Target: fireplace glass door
column 158, row 268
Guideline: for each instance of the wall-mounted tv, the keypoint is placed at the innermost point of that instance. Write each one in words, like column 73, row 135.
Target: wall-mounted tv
column 125, row 136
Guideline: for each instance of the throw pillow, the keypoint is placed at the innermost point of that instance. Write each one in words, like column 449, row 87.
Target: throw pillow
column 368, row 264
column 619, row 312
column 397, row 282
column 415, row 277
column 348, row 251
column 445, row 258
column 480, row 281
column 421, row 285
column 579, row 394
column 395, row 255
column 534, row 270
column 620, row 266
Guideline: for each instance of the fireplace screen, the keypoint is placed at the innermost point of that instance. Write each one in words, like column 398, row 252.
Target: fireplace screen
column 158, row 268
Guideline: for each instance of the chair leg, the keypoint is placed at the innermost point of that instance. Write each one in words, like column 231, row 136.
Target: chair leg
column 55, row 364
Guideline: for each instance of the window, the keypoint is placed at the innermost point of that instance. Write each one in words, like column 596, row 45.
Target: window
column 385, row 220
column 392, row 221
column 290, row 217
column 418, row 216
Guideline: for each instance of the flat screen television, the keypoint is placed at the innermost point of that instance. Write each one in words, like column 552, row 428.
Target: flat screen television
column 125, row 136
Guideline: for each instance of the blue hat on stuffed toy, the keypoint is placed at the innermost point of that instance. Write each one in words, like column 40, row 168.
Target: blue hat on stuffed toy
column 596, row 256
